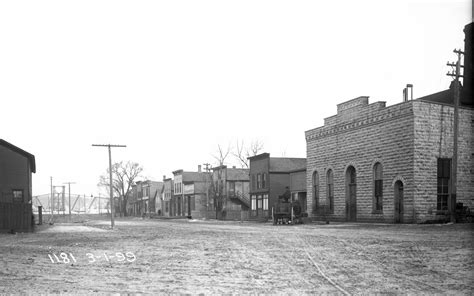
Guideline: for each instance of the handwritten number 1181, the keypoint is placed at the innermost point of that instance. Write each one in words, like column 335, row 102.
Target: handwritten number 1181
column 63, row 257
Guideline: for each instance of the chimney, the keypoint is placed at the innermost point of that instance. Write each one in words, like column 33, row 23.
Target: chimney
column 199, row 168
column 467, row 89
column 164, row 177
column 410, row 86
column 407, row 89
column 233, row 166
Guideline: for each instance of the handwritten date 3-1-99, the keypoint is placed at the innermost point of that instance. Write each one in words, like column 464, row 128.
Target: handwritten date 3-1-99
column 67, row 258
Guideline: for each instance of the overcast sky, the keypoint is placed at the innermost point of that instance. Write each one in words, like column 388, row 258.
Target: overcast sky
column 173, row 79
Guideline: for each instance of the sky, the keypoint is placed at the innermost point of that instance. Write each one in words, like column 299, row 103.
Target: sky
column 172, row 80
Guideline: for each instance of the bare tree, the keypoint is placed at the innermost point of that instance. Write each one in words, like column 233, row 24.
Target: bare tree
column 123, row 177
column 217, row 187
column 222, row 154
column 242, row 152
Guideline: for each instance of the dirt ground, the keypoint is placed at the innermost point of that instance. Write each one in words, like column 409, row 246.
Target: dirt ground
column 214, row 257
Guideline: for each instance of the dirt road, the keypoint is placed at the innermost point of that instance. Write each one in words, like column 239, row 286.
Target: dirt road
column 212, row 257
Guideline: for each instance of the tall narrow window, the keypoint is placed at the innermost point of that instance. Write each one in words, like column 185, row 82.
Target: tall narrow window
column 315, row 192
column 378, row 188
column 265, row 202
column 259, row 181
column 444, row 174
column 264, row 180
column 330, row 190
column 253, row 182
column 231, row 185
column 253, row 199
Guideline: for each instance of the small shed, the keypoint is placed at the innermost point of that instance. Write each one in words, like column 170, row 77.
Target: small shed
column 16, row 168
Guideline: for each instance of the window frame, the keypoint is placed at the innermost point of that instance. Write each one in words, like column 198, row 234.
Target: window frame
column 19, row 199
column 377, row 205
column 315, row 183
column 443, row 179
column 330, row 189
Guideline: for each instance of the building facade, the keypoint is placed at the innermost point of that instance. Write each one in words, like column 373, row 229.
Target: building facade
column 269, row 177
column 298, row 188
column 16, row 168
column 189, row 197
column 167, row 194
column 230, row 193
column 145, row 195
column 370, row 162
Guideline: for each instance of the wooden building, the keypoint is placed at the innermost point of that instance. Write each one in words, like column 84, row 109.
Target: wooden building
column 16, row 168
column 269, row 178
column 230, row 193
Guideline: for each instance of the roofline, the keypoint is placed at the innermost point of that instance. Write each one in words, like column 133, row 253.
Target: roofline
column 298, row 170
column 259, row 156
column 18, row 150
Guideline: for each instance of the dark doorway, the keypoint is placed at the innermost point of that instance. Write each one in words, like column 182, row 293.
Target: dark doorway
column 189, row 206
column 351, row 194
column 179, row 213
column 398, row 202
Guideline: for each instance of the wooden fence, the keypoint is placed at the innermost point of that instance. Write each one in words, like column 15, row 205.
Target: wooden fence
column 15, row 216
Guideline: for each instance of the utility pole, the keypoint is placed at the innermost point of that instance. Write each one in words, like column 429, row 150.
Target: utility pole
column 112, row 210
column 457, row 74
column 207, row 185
column 69, row 183
column 51, row 201
column 59, row 197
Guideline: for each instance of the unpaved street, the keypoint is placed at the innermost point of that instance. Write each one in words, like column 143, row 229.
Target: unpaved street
column 212, row 257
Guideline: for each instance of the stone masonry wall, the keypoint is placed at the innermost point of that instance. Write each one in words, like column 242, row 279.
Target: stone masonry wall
column 433, row 140
column 373, row 134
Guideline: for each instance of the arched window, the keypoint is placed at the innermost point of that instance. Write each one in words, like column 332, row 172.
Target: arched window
column 315, row 192
column 330, row 190
column 351, row 194
column 378, row 188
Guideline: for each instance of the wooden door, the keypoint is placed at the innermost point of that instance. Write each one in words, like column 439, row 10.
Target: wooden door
column 398, row 202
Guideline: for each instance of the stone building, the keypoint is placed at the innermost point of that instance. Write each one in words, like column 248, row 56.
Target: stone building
column 390, row 164
column 370, row 162
column 269, row 177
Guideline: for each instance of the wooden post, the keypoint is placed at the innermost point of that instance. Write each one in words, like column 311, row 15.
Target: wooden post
column 112, row 209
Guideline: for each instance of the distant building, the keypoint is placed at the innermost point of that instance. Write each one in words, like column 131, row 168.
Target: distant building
column 167, row 194
column 144, row 196
column 190, row 194
column 370, row 162
column 16, row 168
column 230, row 193
column 269, row 177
